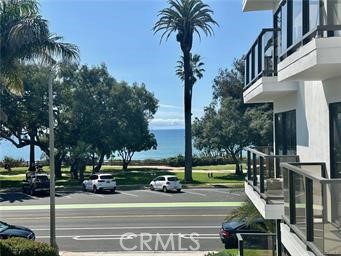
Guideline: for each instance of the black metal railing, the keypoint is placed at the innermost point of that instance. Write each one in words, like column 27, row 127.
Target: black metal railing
column 321, row 31
column 264, row 172
column 260, row 59
column 256, row 244
column 312, row 206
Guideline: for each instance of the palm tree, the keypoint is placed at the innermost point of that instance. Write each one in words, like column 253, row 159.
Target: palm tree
column 25, row 36
column 197, row 67
column 186, row 17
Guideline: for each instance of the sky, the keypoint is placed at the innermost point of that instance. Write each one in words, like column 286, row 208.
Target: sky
column 119, row 34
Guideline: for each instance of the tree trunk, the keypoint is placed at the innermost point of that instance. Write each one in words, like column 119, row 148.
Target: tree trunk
column 73, row 170
column 125, row 165
column 32, row 153
column 236, row 161
column 188, row 117
column 99, row 164
column 58, row 167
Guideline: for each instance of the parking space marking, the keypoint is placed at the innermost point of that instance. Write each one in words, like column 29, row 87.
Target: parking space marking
column 194, row 193
column 128, row 194
column 157, row 193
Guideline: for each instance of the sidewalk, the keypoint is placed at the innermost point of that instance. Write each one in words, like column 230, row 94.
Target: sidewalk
column 134, row 253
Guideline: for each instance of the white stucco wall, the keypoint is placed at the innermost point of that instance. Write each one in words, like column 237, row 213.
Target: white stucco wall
column 312, row 117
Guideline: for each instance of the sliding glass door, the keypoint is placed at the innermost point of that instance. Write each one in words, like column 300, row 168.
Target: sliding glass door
column 285, row 133
column 335, row 139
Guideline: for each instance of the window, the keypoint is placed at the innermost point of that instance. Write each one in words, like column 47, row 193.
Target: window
column 297, row 19
column 284, row 27
column 161, row 179
column 293, row 20
column 106, row 177
column 285, row 133
column 172, row 178
column 314, row 14
column 93, row 177
column 335, row 139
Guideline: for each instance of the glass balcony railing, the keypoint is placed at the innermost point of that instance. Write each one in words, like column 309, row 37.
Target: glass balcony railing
column 264, row 172
column 312, row 206
column 260, row 60
column 254, row 244
column 321, row 31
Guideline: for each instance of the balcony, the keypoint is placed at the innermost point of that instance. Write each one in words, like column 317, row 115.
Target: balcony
column 257, row 5
column 264, row 182
column 312, row 210
column 260, row 71
column 256, row 244
column 317, row 56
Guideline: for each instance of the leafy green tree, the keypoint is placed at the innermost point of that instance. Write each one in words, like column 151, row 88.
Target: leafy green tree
column 29, row 113
column 224, row 129
column 135, row 136
column 230, row 83
column 25, row 36
column 228, row 125
column 184, row 18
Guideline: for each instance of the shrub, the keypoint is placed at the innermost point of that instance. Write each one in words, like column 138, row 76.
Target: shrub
column 222, row 253
column 25, row 247
column 11, row 162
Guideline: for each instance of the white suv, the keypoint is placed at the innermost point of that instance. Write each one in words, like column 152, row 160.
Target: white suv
column 166, row 183
column 100, row 182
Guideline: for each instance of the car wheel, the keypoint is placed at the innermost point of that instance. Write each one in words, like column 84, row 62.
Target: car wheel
column 151, row 187
column 178, row 190
column 32, row 192
column 83, row 187
column 226, row 246
column 165, row 189
column 94, row 189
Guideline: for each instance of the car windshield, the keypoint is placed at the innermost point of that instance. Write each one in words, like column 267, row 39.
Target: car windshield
column 233, row 224
column 3, row 226
column 172, row 178
column 42, row 178
column 106, row 177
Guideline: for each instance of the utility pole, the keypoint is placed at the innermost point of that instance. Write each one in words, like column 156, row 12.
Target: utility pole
column 53, row 241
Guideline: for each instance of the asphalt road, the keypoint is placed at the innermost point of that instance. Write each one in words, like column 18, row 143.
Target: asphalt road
column 155, row 221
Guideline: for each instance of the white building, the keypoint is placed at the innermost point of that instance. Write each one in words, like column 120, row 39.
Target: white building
column 296, row 65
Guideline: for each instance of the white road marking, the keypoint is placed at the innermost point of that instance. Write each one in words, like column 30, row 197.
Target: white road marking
column 157, row 193
column 118, row 216
column 122, row 236
column 128, row 194
column 194, row 193
column 98, row 195
column 122, row 228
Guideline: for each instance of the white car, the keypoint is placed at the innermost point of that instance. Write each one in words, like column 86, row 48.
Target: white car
column 100, row 182
column 166, row 183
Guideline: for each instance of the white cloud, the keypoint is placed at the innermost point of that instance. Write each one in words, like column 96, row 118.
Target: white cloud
column 169, row 106
column 159, row 123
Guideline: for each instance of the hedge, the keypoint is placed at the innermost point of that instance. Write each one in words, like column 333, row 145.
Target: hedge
column 25, row 247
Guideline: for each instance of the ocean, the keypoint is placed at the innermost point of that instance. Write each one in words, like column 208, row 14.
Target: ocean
column 170, row 143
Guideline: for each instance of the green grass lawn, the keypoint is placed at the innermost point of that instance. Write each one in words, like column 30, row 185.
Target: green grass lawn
column 134, row 176
column 225, row 167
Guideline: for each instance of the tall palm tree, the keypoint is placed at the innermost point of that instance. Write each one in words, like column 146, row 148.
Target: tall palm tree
column 197, row 67
column 184, row 18
column 25, row 36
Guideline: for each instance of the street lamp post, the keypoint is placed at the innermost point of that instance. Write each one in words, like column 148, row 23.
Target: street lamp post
column 53, row 241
